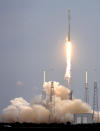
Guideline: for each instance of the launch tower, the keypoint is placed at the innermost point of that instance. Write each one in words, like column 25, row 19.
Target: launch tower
column 95, row 102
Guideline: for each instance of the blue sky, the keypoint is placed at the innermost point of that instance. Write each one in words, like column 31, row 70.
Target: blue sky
column 32, row 36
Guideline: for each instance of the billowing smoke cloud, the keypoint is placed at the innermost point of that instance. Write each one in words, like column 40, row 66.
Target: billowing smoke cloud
column 59, row 90
column 21, row 111
column 38, row 110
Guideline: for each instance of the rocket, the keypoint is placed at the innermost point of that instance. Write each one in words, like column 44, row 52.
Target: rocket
column 69, row 24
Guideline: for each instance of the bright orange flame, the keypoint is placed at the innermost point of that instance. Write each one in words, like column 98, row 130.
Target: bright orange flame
column 68, row 60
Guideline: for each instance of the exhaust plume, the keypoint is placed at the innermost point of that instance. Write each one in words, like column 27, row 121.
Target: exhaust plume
column 20, row 110
column 68, row 61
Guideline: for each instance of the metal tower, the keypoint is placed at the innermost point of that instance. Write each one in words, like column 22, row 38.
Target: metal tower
column 95, row 102
column 70, row 94
column 52, row 102
column 86, row 90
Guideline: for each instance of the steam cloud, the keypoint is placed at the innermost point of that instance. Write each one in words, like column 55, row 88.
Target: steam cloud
column 37, row 111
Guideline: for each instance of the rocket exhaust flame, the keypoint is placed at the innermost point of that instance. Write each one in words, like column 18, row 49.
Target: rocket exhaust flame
column 68, row 60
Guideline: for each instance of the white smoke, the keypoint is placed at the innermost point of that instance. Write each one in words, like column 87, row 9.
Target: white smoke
column 21, row 111
column 37, row 111
column 59, row 90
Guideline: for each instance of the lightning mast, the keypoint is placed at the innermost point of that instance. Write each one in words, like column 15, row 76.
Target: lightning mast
column 44, row 76
column 86, row 90
column 43, row 92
